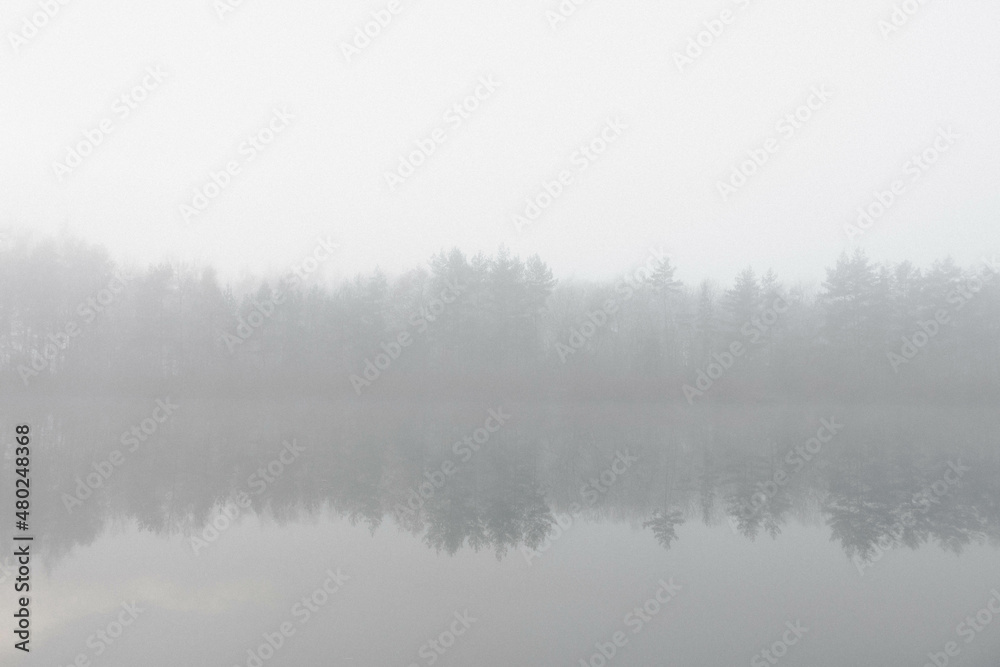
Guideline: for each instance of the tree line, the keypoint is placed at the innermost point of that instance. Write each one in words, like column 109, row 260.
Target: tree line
column 73, row 320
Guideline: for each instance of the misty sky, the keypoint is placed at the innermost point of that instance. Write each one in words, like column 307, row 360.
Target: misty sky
column 681, row 131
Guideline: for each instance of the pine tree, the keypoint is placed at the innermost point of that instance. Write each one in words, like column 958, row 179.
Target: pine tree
column 743, row 300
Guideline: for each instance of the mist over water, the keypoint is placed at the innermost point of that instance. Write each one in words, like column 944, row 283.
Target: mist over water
column 476, row 463
column 485, row 334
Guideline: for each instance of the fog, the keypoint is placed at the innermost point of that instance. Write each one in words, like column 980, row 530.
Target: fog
column 499, row 325
column 450, row 334
column 476, row 439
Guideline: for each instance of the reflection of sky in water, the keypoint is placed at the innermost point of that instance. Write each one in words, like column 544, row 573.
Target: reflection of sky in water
column 735, row 599
column 532, row 535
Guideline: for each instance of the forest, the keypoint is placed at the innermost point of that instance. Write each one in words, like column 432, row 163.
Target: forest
column 72, row 322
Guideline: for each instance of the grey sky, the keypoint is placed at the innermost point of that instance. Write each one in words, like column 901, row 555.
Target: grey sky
column 655, row 185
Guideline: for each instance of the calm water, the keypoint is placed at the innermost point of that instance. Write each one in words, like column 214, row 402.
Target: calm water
column 530, row 535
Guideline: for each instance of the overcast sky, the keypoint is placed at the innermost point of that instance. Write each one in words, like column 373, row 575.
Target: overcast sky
column 682, row 126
